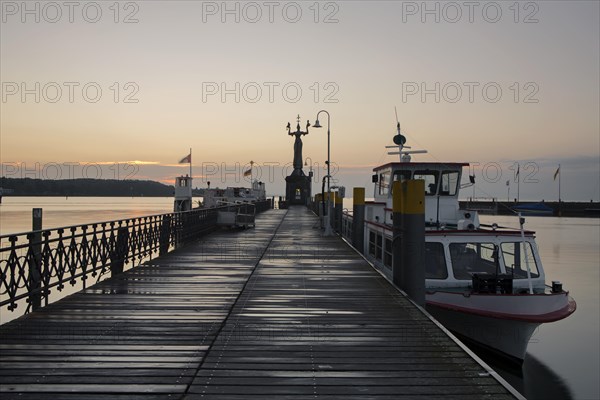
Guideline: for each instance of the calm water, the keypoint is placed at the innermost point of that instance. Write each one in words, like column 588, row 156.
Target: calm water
column 563, row 357
column 15, row 212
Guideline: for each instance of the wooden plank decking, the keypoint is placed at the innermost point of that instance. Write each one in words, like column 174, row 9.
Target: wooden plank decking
column 273, row 312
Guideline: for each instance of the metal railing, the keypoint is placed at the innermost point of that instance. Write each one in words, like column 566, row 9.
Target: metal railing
column 34, row 263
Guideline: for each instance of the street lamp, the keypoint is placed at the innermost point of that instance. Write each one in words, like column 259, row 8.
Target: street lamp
column 328, row 230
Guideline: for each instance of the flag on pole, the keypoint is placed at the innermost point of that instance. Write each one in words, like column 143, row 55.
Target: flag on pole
column 186, row 159
column 557, row 172
column 518, row 168
column 248, row 172
column 507, row 183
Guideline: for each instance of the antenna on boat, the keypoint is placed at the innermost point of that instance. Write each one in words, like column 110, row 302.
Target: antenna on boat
column 400, row 140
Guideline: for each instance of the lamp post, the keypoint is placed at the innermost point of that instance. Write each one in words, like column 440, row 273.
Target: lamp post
column 328, row 230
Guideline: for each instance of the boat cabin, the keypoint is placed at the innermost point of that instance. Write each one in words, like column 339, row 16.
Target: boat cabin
column 442, row 185
column 183, row 194
column 459, row 252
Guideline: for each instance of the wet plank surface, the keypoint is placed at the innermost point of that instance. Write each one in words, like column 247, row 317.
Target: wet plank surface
column 278, row 311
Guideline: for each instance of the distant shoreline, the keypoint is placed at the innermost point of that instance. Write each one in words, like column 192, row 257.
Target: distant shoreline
column 83, row 188
column 582, row 209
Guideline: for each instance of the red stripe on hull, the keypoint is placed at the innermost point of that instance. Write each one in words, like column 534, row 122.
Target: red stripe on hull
column 543, row 318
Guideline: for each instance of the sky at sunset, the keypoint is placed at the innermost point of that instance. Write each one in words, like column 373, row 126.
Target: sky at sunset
column 124, row 90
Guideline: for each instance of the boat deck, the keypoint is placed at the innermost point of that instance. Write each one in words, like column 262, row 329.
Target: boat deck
column 274, row 312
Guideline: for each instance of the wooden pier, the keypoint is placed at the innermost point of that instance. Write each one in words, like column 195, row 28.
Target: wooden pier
column 278, row 311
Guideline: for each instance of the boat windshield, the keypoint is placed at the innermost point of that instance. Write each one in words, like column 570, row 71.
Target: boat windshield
column 516, row 257
column 471, row 258
column 449, row 183
column 402, row 175
column 435, row 261
column 431, row 180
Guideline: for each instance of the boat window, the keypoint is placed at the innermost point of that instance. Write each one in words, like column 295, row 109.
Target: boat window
column 401, row 175
column 472, row 258
column 376, row 245
column 387, row 253
column 516, row 257
column 384, row 183
column 449, row 183
column 431, row 181
column 435, row 261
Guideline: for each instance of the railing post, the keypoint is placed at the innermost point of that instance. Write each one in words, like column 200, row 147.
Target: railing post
column 35, row 262
column 177, row 227
column 408, row 264
column 358, row 219
column 118, row 260
column 165, row 235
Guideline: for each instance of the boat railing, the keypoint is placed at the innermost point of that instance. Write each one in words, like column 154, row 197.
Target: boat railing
column 346, row 225
column 34, row 264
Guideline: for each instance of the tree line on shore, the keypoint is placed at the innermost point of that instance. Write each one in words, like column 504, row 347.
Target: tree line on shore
column 84, row 187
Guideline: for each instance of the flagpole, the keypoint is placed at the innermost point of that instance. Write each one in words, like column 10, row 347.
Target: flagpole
column 190, row 162
column 559, row 174
column 518, row 182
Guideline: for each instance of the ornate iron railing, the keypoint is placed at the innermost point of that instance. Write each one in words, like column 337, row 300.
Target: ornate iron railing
column 32, row 264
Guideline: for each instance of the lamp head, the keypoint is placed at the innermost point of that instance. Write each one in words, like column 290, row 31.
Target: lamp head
column 317, row 124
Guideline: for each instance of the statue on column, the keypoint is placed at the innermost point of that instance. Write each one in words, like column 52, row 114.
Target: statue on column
column 298, row 160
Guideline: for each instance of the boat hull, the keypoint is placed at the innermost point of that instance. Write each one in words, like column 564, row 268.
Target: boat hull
column 509, row 337
column 504, row 323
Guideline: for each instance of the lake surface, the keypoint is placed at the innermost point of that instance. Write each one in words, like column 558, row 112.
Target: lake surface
column 563, row 360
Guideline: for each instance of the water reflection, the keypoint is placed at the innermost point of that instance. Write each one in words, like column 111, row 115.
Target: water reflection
column 534, row 379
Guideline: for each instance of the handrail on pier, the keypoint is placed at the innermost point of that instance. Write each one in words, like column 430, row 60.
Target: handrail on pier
column 33, row 263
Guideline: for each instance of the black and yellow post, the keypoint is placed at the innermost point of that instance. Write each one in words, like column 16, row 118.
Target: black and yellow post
column 408, row 265
column 358, row 219
column 338, row 211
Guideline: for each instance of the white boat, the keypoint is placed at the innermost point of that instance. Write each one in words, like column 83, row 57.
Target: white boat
column 243, row 216
column 215, row 197
column 485, row 283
